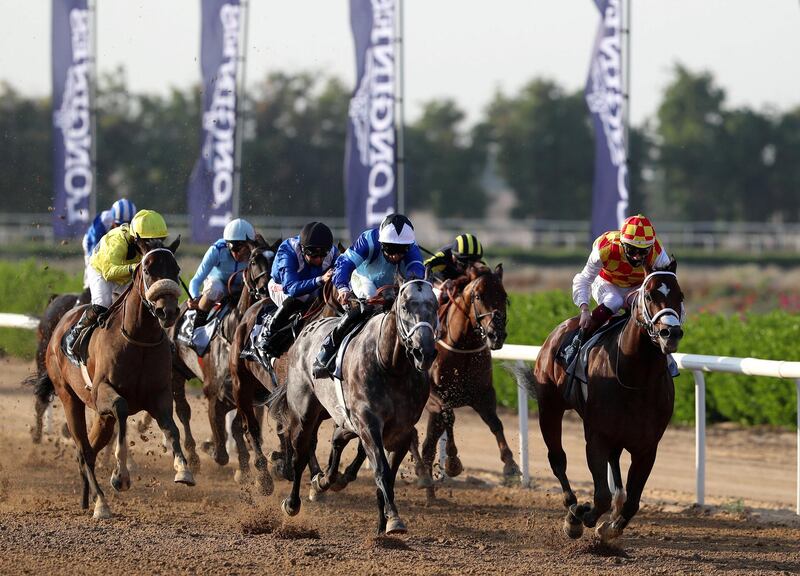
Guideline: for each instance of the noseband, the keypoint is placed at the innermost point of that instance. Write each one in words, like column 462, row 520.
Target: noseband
column 648, row 321
column 403, row 331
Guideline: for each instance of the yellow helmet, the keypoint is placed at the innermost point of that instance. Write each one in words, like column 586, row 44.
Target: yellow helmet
column 149, row 224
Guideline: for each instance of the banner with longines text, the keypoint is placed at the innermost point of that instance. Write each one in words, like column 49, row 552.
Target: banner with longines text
column 370, row 166
column 605, row 98
column 73, row 170
column 210, row 193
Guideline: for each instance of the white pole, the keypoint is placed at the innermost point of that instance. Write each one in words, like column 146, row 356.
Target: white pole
column 241, row 91
column 401, row 102
column 522, row 401
column 700, row 435
column 230, row 443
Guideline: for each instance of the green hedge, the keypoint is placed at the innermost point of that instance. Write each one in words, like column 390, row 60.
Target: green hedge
column 729, row 397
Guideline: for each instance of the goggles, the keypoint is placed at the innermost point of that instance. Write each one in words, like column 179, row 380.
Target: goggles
column 395, row 249
column 315, row 252
column 236, row 245
column 635, row 253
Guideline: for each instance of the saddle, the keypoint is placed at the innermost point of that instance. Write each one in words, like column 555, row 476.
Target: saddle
column 339, row 358
column 81, row 357
column 199, row 339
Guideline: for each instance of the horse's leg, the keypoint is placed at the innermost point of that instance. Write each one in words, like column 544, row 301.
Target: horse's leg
column 453, row 466
column 395, row 525
column 435, row 428
column 619, row 491
column 243, row 394
column 351, row 472
column 424, row 479
column 488, row 413
column 597, row 457
column 551, row 412
column 388, row 517
column 242, row 451
column 216, row 419
column 110, row 403
column 303, row 437
column 638, row 473
column 162, row 413
column 75, row 413
column 314, row 470
column 40, row 408
column 184, row 412
column 322, row 481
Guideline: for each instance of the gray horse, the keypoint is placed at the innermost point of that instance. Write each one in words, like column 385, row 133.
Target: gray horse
column 384, row 388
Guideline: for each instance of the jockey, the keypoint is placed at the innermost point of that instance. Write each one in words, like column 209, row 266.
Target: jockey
column 370, row 263
column 301, row 266
column 121, row 212
column 225, row 257
column 113, row 262
column 615, row 268
column 452, row 261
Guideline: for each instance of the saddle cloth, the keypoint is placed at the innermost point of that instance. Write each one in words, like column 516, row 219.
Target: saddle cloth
column 200, row 338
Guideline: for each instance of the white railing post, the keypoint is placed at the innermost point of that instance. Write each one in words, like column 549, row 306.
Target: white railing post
column 522, row 401
column 700, row 435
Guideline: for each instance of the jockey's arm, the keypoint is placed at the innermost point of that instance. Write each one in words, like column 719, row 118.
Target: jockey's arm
column 413, row 262
column 291, row 279
column 582, row 282
column 210, row 260
column 111, row 259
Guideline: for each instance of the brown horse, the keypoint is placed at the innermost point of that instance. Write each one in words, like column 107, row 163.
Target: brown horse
column 213, row 369
column 384, row 390
column 628, row 402
column 472, row 323
column 58, row 305
column 129, row 370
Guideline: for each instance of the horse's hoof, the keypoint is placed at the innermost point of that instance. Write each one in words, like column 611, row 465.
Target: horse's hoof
column 120, row 483
column 315, row 484
column 607, row 533
column 339, row 485
column 512, row 475
column 184, row 477
column 573, row 526
column 101, row 511
column 288, row 509
column 453, row 466
column 241, row 476
column 395, row 526
column 36, row 436
column 265, row 482
column 424, row 481
column 315, row 495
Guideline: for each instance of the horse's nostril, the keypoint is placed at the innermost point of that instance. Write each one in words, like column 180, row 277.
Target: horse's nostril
column 665, row 333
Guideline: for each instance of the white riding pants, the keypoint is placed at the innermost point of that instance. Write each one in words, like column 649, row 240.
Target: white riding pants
column 278, row 296
column 103, row 291
column 610, row 295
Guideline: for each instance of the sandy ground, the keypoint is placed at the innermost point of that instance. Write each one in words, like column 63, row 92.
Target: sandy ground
column 476, row 525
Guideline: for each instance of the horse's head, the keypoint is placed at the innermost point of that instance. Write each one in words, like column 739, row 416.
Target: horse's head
column 257, row 273
column 416, row 309
column 660, row 307
column 487, row 301
column 159, row 278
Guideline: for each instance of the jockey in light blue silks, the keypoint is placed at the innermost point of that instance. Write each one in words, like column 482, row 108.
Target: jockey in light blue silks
column 225, row 257
column 369, row 264
column 121, row 212
column 302, row 265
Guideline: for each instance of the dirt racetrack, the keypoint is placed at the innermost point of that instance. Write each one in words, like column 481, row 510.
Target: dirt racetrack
column 476, row 526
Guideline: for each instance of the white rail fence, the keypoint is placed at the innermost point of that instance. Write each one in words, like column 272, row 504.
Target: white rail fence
column 697, row 363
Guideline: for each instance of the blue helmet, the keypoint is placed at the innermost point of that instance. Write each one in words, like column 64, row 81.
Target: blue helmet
column 123, row 211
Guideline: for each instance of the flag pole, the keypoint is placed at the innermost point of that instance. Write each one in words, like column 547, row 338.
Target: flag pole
column 627, row 61
column 93, row 107
column 401, row 104
column 240, row 110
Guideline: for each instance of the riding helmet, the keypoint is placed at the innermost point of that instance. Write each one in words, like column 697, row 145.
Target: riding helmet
column 238, row 230
column 468, row 247
column 396, row 229
column 316, row 235
column 149, row 224
column 637, row 231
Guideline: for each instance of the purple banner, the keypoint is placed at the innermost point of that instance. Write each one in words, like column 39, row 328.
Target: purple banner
column 73, row 171
column 370, row 167
column 210, row 193
column 605, row 98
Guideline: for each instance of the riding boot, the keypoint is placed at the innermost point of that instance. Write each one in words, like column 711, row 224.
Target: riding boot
column 600, row 316
column 89, row 317
column 200, row 319
column 322, row 368
column 279, row 320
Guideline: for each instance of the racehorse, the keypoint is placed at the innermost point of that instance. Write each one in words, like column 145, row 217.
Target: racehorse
column 472, row 322
column 58, row 305
column 128, row 370
column 384, row 388
column 629, row 400
column 213, row 368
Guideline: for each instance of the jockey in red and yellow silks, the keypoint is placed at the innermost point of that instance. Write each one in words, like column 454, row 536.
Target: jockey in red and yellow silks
column 615, row 268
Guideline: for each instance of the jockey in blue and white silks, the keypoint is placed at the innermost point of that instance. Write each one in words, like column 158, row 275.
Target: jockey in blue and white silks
column 369, row 264
column 301, row 266
column 225, row 257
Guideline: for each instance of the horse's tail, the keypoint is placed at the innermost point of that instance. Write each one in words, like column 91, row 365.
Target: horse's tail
column 523, row 375
column 278, row 405
column 43, row 387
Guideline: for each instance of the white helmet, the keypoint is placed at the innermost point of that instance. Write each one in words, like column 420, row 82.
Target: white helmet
column 238, row 230
column 396, row 229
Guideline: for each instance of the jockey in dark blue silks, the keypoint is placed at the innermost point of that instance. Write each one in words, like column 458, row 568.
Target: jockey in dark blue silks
column 370, row 263
column 301, row 266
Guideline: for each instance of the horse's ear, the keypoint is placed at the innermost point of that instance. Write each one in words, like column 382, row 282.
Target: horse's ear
column 498, row 270
column 175, row 243
column 341, row 247
column 673, row 264
column 275, row 245
column 260, row 242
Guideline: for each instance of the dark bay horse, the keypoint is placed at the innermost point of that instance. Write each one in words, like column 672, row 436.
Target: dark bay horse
column 472, row 323
column 129, row 368
column 628, row 402
column 384, row 390
column 213, row 368
column 58, row 305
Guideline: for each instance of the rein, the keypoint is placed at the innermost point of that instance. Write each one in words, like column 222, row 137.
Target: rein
column 161, row 285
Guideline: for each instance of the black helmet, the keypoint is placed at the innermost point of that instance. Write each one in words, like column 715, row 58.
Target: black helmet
column 316, row 235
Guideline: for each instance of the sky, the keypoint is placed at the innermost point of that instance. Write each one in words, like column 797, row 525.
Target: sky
column 466, row 50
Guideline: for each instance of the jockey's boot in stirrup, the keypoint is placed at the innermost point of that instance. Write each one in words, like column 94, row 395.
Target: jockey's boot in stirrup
column 322, row 368
column 200, row 319
column 279, row 319
column 89, row 317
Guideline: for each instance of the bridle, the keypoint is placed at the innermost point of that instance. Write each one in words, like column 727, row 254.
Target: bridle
column 404, row 331
column 252, row 282
column 648, row 321
column 478, row 327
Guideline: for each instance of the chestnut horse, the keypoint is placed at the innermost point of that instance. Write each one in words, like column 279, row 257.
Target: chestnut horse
column 628, row 402
column 384, row 388
column 472, row 323
column 213, row 369
column 129, row 369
